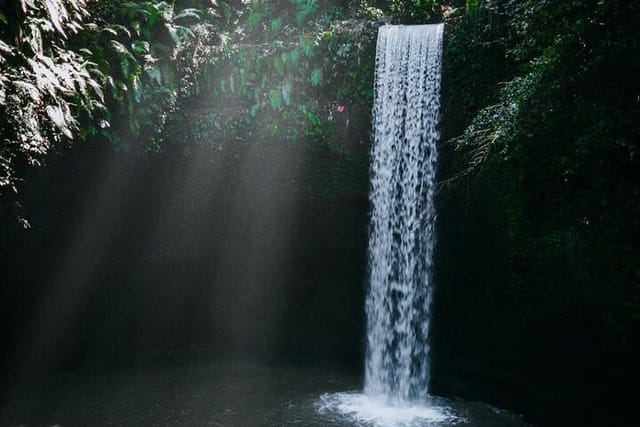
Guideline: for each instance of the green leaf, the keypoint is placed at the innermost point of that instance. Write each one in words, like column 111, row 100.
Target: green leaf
column 122, row 51
column 114, row 29
column 124, row 67
column 279, row 66
column 316, row 77
column 187, row 13
column 293, row 56
column 306, row 45
column 56, row 116
column 140, row 47
column 154, row 73
column 286, row 93
column 275, row 25
column 275, row 98
column 57, row 14
column 137, row 89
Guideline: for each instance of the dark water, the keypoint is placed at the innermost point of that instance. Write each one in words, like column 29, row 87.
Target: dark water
column 222, row 394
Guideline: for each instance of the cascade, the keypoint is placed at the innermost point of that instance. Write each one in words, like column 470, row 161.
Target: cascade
column 401, row 244
column 402, row 227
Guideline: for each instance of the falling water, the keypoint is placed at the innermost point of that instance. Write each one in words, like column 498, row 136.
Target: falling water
column 401, row 239
column 401, row 242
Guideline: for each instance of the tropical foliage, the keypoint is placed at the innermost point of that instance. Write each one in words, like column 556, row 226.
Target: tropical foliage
column 542, row 137
column 555, row 121
column 284, row 74
column 67, row 62
column 44, row 83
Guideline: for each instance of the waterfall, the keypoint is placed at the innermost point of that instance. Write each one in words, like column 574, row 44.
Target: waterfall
column 402, row 227
column 401, row 236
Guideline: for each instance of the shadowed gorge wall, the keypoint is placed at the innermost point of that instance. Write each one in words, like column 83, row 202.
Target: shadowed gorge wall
column 175, row 257
column 236, row 239
column 537, row 289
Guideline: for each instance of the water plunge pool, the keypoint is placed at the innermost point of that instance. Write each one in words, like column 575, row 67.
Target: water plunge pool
column 226, row 394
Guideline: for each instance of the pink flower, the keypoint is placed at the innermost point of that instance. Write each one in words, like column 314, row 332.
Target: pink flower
column 341, row 108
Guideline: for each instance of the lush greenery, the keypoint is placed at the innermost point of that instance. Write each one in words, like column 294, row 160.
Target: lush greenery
column 287, row 74
column 131, row 72
column 120, row 71
column 541, row 190
column 549, row 128
column 73, row 68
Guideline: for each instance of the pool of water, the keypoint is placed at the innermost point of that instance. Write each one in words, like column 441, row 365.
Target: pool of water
column 227, row 394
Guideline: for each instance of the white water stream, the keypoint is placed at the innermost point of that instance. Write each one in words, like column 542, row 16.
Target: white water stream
column 401, row 236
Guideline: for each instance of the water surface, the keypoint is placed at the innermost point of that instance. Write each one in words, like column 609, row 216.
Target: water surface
column 224, row 394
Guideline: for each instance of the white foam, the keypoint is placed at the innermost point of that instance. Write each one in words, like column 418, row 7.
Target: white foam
column 365, row 410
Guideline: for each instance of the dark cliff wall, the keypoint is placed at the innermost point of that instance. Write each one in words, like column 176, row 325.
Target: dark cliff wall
column 131, row 260
column 537, row 297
